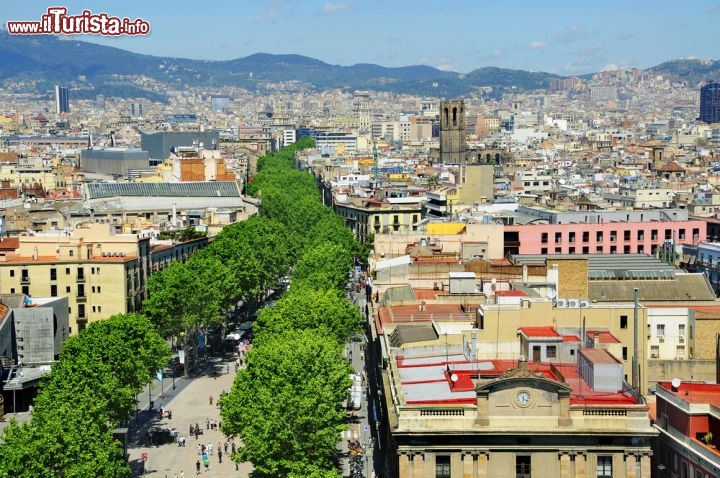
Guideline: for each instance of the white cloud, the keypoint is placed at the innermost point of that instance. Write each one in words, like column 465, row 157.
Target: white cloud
column 334, row 7
column 538, row 45
column 713, row 8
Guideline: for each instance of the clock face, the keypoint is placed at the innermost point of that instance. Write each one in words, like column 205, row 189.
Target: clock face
column 522, row 398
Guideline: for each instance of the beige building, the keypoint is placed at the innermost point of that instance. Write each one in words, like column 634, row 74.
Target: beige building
column 368, row 216
column 449, row 417
column 102, row 273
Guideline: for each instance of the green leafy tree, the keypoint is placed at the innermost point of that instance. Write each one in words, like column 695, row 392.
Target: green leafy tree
column 86, row 394
column 307, row 308
column 325, row 266
column 285, row 406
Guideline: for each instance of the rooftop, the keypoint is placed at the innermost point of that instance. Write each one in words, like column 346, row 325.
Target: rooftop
column 428, row 379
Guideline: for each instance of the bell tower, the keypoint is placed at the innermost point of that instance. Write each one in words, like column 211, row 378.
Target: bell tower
column 452, row 132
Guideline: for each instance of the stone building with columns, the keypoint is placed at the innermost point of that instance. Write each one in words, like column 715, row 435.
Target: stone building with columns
column 452, row 417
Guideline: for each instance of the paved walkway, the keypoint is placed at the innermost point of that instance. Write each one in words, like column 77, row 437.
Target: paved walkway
column 189, row 404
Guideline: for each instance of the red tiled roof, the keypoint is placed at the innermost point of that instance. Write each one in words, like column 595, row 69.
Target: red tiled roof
column 537, row 332
column 511, row 293
column 604, row 336
column 9, row 243
column 698, row 393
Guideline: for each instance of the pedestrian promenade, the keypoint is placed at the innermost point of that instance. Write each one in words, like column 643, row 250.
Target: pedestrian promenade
column 190, row 405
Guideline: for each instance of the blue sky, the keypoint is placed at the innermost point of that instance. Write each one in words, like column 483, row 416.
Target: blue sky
column 557, row 36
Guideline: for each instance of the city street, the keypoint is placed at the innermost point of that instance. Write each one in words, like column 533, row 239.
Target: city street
column 190, row 405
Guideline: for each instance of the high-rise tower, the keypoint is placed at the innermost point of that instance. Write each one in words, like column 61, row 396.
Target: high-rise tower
column 710, row 102
column 62, row 100
column 452, row 132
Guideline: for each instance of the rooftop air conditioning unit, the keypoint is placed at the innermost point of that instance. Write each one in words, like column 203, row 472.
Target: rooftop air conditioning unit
column 561, row 303
column 573, row 303
column 584, row 303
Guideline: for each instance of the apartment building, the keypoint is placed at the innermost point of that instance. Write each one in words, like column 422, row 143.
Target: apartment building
column 687, row 414
column 102, row 273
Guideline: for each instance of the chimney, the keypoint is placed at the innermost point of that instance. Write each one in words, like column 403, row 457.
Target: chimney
column 596, row 340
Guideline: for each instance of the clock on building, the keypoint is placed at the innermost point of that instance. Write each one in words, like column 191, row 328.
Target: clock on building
column 522, row 398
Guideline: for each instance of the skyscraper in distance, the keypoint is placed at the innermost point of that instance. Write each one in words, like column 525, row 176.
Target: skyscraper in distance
column 710, row 102
column 62, row 100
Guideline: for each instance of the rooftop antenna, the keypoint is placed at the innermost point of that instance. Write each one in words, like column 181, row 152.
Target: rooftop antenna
column 375, row 163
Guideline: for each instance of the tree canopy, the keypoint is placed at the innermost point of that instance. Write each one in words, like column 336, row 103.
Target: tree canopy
column 284, row 405
column 88, row 392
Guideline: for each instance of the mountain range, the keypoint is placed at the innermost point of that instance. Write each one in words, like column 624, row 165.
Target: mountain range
column 38, row 62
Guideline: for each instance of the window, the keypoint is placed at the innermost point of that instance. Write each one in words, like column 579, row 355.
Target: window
column 544, row 238
column 599, row 236
column 81, row 311
column 604, row 466
column 53, row 274
column 613, row 236
column 623, row 321
column 571, row 250
column 668, row 234
column 613, row 249
column 442, row 466
column 641, row 235
column 626, row 249
column 625, row 353
column 641, row 249
column 53, row 290
column 71, row 252
column 586, row 236
column 67, row 289
column 571, row 237
column 558, row 237
column 558, row 250
column 551, row 351
column 661, row 330
column 681, row 234
column 522, row 466
column 654, row 351
column 12, row 273
column 26, row 290
column 681, row 330
column 543, row 250
column 586, row 250
column 67, row 271
column 81, row 290
column 599, row 249
column 653, row 234
column 626, row 235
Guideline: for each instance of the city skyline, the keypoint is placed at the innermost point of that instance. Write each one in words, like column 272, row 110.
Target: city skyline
column 560, row 37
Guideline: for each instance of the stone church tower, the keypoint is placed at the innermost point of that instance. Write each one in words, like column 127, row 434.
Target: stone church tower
column 452, row 132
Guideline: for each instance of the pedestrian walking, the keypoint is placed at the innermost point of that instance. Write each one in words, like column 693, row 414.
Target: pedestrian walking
column 227, row 368
column 211, row 397
column 207, row 423
column 225, row 447
column 233, row 448
column 197, row 467
column 219, row 456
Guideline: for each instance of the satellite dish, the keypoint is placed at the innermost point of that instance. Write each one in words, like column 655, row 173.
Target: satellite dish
column 676, row 382
column 454, row 378
column 552, row 294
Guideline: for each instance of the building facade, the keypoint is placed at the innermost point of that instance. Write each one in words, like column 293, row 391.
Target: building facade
column 710, row 102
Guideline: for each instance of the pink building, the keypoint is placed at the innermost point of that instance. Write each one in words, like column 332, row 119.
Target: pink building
column 601, row 238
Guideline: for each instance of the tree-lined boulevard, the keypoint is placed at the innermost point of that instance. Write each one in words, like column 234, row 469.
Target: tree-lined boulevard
column 286, row 406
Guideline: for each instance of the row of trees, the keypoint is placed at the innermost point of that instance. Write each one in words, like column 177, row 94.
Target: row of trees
column 88, row 393
column 286, row 406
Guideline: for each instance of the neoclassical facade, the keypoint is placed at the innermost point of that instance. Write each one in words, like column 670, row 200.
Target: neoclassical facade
column 450, row 418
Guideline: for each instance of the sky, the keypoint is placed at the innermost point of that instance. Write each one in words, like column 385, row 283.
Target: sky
column 556, row 36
